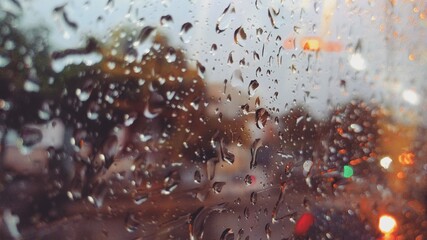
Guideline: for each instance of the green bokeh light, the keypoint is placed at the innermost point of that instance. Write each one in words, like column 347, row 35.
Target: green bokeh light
column 348, row 171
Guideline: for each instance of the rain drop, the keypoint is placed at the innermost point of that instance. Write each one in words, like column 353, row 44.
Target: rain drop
column 230, row 58
column 268, row 230
column 254, row 197
column 225, row 19
column 171, row 55
column 217, row 187
column 214, row 48
column 253, row 85
column 227, row 234
column 140, row 198
column 185, row 34
column 166, row 20
column 261, row 117
column 239, row 36
column 131, row 224
column 197, row 177
column 248, row 180
column 254, row 150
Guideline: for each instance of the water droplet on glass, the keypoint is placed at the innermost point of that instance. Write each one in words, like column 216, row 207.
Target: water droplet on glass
column 307, row 167
column 166, row 20
column 130, row 118
column 171, row 55
column 268, row 230
column 171, row 182
column 217, row 187
column 226, row 156
column 254, row 150
column 151, row 113
column 185, row 34
column 139, row 198
column 214, row 48
column 197, row 177
column 144, row 42
column 210, row 167
column 240, row 234
column 227, row 234
column 98, row 194
column 253, row 85
column 225, row 19
column 237, row 75
column 257, row 102
column 248, row 179
column 245, row 109
column 201, row 70
column 261, row 117
column 256, row 56
column 239, row 36
column 246, row 212
column 131, row 223
column 254, row 198
column 271, row 12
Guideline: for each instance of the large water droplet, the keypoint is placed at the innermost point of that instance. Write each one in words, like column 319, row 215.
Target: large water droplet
column 261, row 117
column 254, row 150
column 271, row 15
column 145, row 41
column 225, row 19
column 227, row 234
column 225, row 154
column 237, row 75
column 197, row 177
column 185, row 34
column 171, row 55
column 249, row 179
column 217, row 187
column 166, row 20
column 239, row 36
column 253, row 85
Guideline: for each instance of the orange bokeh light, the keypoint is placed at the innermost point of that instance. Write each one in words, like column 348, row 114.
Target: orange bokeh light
column 313, row 44
column 406, row 158
column 387, row 224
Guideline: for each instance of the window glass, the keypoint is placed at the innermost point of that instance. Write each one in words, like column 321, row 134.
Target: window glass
column 202, row 119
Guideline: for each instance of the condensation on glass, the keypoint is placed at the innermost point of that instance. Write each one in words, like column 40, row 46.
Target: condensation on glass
column 213, row 119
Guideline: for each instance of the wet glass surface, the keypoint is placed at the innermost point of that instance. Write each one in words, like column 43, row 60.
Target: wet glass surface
column 213, row 119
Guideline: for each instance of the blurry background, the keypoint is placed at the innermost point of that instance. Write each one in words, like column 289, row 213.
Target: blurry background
column 213, row 119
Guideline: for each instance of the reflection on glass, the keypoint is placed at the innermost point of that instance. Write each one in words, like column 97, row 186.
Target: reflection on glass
column 213, row 120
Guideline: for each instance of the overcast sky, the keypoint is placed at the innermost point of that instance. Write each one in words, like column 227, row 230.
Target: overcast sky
column 385, row 74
